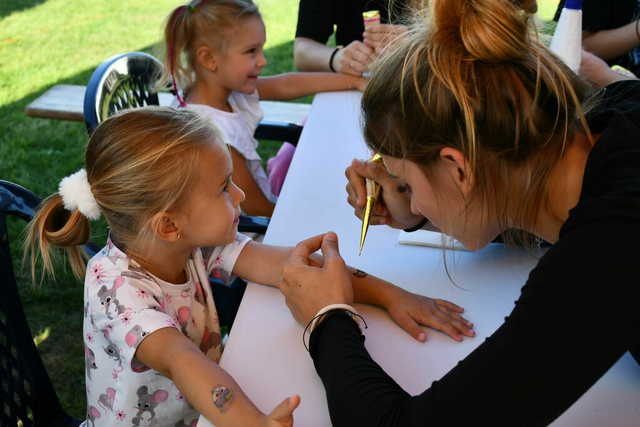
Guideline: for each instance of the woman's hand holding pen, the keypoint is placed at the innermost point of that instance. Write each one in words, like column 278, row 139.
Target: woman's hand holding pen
column 393, row 204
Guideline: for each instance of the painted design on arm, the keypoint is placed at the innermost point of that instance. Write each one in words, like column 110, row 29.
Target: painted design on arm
column 222, row 397
column 359, row 274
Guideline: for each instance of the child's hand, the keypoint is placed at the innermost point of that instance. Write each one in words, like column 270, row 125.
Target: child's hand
column 282, row 415
column 410, row 311
column 360, row 83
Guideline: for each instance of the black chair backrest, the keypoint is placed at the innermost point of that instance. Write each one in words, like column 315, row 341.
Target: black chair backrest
column 123, row 81
column 26, row 392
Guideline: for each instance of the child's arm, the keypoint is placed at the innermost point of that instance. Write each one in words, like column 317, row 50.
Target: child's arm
column 176, row 357
column 263, row 264
column 409, row 310
column 295, row 85
column 255, row 202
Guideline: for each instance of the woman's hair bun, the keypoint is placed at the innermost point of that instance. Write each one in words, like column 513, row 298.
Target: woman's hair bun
column 491, row 31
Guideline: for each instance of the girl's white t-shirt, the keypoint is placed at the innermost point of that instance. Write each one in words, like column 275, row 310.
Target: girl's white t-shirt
column 123, row 305
column 237, row 129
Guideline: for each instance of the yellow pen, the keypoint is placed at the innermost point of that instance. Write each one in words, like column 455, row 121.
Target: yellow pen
column 373, row 189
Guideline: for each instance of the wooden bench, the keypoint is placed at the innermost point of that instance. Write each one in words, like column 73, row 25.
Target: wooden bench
column 65, row 102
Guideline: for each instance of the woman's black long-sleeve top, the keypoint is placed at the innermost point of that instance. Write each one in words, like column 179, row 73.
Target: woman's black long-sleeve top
column 576, row 316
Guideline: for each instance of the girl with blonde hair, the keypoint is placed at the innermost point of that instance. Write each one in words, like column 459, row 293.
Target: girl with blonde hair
column 162, row 178
column 215, row 54
column 482, row 130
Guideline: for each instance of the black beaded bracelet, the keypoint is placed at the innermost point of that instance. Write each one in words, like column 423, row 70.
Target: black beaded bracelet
column 417, row 227
column 331, row 59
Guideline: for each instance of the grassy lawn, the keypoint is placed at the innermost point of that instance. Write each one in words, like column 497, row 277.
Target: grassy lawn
column 48, row 42
column 43, row 43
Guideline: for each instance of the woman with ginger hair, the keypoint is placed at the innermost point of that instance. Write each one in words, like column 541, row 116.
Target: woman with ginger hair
column 483, row 130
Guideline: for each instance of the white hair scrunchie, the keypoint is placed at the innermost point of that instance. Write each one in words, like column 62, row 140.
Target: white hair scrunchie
column 76, row 194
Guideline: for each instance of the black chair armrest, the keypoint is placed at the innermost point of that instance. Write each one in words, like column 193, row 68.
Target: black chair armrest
column 253, row 224
column 17, row 200
column 277, row 131
column 27, row 393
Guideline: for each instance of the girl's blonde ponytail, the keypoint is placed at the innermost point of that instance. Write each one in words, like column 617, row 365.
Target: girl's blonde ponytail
column 53, row 225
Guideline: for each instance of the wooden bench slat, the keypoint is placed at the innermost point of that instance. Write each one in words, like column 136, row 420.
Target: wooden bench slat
column 65, row 102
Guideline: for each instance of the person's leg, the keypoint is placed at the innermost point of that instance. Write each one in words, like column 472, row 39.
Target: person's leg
column 278, row 166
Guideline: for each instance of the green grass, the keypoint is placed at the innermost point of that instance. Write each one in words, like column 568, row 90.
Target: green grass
column 546, row 9
column 48, row 42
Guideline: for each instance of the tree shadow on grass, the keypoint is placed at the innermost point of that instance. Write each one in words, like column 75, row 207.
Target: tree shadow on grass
column 7, row 7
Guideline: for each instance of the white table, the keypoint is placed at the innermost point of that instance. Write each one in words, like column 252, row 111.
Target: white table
column 265, row 352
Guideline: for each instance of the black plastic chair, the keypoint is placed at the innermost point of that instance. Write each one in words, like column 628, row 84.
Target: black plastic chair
column 26, row 393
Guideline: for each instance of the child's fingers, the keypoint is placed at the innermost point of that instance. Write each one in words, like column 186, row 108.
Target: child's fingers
column 452, row 311
column 409, row 324
column 459, row 323
column 284, row 411
column 462, row 327
column 458, row 318
column 443, row 322
column 448, row 329
column 449, row 305
column 294, row 401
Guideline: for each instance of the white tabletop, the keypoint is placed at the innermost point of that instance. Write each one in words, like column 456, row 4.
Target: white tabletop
column 265, row 353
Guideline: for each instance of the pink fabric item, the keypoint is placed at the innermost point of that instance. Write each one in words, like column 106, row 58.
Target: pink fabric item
column 278, row 166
